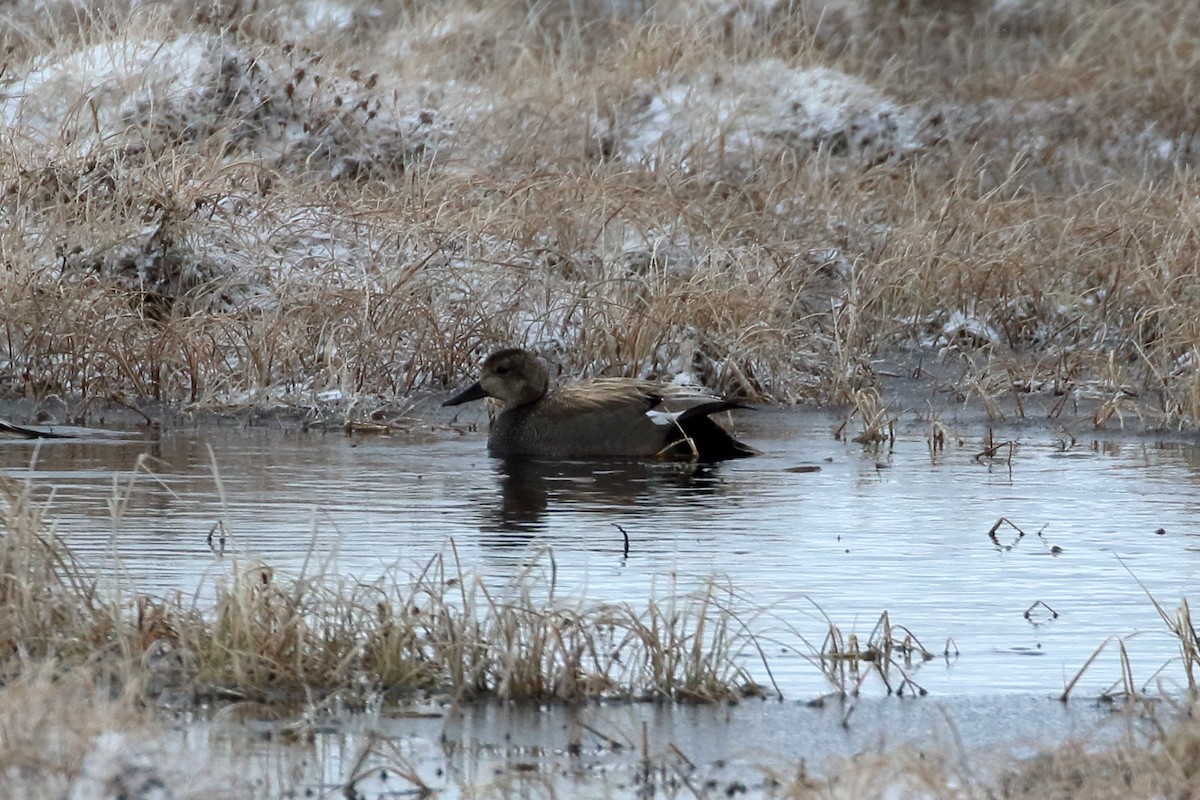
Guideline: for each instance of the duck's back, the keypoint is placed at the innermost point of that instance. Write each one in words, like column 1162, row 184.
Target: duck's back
column 608, row 419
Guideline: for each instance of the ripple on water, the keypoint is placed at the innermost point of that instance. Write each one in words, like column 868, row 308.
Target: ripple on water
column 814, row 530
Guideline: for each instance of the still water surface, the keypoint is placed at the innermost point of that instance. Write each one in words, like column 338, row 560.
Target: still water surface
column 814, row 528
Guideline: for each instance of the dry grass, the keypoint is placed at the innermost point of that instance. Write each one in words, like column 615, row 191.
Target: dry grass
column 318, row 636
column 46, row 608
column 889, row 653
column 79, row 667
column 365, row 202
column 1158, row 761
column 73, row 733
column 1178, row 623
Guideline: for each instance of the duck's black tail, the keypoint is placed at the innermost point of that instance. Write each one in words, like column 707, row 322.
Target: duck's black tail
column 701, row 438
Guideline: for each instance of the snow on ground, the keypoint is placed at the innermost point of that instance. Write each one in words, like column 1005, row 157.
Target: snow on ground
column 281, row 105
column 319, row 16
column 85, row 96
column 92, row 118
column 745, row 109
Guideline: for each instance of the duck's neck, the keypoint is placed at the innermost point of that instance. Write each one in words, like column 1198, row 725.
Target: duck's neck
column 531, row 392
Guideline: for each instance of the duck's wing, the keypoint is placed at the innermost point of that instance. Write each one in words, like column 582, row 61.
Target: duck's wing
column 663, row 402
column 678, row 414
column 609, row 394
column 601, row 418
column 681, row 407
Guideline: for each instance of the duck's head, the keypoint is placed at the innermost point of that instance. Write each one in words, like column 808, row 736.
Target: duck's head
column 515, row 377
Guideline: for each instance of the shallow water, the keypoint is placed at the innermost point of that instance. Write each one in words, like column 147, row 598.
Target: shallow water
column 814, row 528
column 505, row 750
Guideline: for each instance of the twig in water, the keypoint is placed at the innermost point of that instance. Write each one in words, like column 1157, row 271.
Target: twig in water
column 996, row 540
column 219, row 547
column 625, row 551
column 1078, row 675
column 1029, row 611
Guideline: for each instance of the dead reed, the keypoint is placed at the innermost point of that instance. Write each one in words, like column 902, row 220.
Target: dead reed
column 251, row 206
column 316, row 636
column 1178, row 624
column 888, row 653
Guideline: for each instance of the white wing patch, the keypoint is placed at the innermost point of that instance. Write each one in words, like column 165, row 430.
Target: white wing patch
column 663, row 417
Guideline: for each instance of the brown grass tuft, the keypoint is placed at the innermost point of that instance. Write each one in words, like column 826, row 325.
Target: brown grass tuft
column 316, row 636
column 263, row 206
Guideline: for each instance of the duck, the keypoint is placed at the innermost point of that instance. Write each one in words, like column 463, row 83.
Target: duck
column 617, row 418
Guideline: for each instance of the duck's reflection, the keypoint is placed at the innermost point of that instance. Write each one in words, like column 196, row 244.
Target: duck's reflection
column 531, row 490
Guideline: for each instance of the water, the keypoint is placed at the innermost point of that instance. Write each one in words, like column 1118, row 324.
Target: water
column 502, row 750
column 816, row 530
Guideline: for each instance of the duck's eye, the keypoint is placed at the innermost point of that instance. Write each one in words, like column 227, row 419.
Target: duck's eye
column 501, row 370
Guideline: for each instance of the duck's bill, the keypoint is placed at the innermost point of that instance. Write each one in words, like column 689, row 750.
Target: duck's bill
column 472, row 392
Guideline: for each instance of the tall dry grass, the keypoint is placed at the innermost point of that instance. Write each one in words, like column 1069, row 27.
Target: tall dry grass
column 318, row 636
column 365, row 206
column 48, row 609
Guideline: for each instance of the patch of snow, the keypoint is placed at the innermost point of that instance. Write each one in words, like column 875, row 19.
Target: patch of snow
column 87, row 94
column 459, row 22
column 960, row 325
column 685, row 379
column 752, row 107
column 199, row 90
column 1155, row 145
column 1041, row 129
column 756, row 18
column 115, row 769
column 321, row 15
